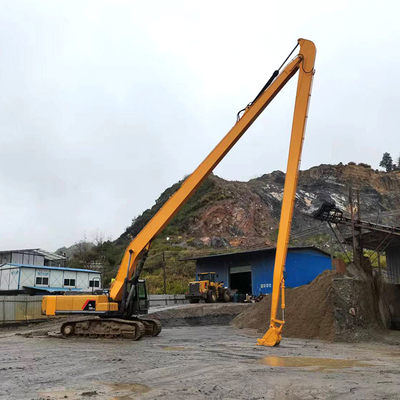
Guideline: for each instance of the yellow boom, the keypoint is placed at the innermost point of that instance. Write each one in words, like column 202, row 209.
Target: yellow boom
column 304, row 62
column 306, row 73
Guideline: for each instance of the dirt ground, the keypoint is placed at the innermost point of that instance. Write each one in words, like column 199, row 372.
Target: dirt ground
column 193, row 362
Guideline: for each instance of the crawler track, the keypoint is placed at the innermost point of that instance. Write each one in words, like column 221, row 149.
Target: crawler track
column 152, row 326
column 106, row 328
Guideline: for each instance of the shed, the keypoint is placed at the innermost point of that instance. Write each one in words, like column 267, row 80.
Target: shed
column 25, row 278
column 251, row 272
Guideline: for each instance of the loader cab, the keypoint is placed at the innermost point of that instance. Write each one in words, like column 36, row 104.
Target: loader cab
column 206, row 276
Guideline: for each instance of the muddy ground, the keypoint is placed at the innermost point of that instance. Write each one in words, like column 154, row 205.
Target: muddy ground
column 187, row 362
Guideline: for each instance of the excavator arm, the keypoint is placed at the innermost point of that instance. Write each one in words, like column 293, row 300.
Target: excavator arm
column 306, row 73
column 304, row 63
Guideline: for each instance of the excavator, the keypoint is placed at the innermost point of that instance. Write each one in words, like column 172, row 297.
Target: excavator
column 116, row 313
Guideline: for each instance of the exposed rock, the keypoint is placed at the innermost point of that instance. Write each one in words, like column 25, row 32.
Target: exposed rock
column 246, row 214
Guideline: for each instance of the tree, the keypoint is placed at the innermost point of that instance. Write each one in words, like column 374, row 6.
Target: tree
column 387, row 162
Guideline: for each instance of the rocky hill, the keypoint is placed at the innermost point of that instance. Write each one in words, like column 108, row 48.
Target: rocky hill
column 228, row 215
column 225, row 214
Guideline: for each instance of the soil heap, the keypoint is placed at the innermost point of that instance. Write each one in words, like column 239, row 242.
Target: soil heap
column 332, row 307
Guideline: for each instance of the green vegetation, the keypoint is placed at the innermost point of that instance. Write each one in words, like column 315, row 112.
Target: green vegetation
column 371, row 255
column 388, row 164
column 107, row 255
column 322, row 241
column 205, row 194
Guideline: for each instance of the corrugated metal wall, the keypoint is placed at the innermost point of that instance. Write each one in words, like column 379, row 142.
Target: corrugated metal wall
column 393, row 264
column 20, row 308
column 302, row 266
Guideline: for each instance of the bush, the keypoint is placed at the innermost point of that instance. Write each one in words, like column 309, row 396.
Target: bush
column 364, row 165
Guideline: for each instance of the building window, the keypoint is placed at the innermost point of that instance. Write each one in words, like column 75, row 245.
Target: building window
column 41, row 280
column 94, row 283
column 69, row 282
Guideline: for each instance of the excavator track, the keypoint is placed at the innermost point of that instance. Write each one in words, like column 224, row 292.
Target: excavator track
column 105, row 328
column 152, row 326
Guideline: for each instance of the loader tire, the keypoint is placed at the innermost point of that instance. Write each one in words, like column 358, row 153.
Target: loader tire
column 227, row 296
column 211, row 296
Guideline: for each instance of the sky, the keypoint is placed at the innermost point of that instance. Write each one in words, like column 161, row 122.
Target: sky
column 104, row 104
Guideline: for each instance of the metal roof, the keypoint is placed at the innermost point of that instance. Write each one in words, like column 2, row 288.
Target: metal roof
column 256, row 251
column 53, row 289
column 376, row 240
column 46, row 267
column 40, row 252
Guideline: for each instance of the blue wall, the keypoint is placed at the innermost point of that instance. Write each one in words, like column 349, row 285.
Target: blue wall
column 220, row 267
column 302, row 266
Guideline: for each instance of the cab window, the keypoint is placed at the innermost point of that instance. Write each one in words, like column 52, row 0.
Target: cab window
column 142, row 290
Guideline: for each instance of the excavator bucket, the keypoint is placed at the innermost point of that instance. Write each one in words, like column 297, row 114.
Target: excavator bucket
column 272, row 337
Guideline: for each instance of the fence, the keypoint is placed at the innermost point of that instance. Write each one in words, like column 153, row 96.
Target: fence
column 26, row 308
column 159, row 300
column 20, row 308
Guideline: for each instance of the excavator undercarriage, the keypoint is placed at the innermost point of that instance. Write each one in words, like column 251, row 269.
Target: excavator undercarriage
column 97, row 327
column 105, row 318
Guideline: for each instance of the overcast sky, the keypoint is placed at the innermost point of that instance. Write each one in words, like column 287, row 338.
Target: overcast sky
column 103, row 104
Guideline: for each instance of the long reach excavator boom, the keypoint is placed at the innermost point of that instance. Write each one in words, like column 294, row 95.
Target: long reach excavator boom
column 117, row 305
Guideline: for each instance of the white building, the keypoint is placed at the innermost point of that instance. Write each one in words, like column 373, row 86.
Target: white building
column 39, row 279
column 32, row 257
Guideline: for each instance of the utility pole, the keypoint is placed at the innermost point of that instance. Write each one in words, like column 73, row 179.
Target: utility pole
column 360, row 241
column 164, row 273
column 379, row 263
column 355, row 257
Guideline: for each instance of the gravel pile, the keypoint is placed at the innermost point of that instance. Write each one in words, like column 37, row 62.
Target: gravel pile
column 309, row 311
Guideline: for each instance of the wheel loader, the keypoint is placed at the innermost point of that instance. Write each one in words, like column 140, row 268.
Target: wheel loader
column 206, row 288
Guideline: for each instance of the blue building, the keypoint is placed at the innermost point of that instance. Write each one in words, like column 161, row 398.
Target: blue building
column 251, row 271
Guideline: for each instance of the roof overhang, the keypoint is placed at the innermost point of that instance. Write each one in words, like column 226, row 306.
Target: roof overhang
column 252, row 252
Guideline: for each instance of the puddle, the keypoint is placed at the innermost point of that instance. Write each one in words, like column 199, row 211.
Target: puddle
column 131, row 387
column 319, row 364
column 126, row 391
column 176, row 348
column 123, row 398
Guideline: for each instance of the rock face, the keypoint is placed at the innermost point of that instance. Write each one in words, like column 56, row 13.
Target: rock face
column 246, row 214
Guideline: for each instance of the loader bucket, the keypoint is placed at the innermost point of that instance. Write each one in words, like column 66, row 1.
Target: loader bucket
column 272, row 337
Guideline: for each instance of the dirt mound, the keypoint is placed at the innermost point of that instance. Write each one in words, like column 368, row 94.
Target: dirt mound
column 309, row 312
column 200, row 314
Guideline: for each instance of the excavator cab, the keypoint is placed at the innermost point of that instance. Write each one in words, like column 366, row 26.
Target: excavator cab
column 139, row 304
